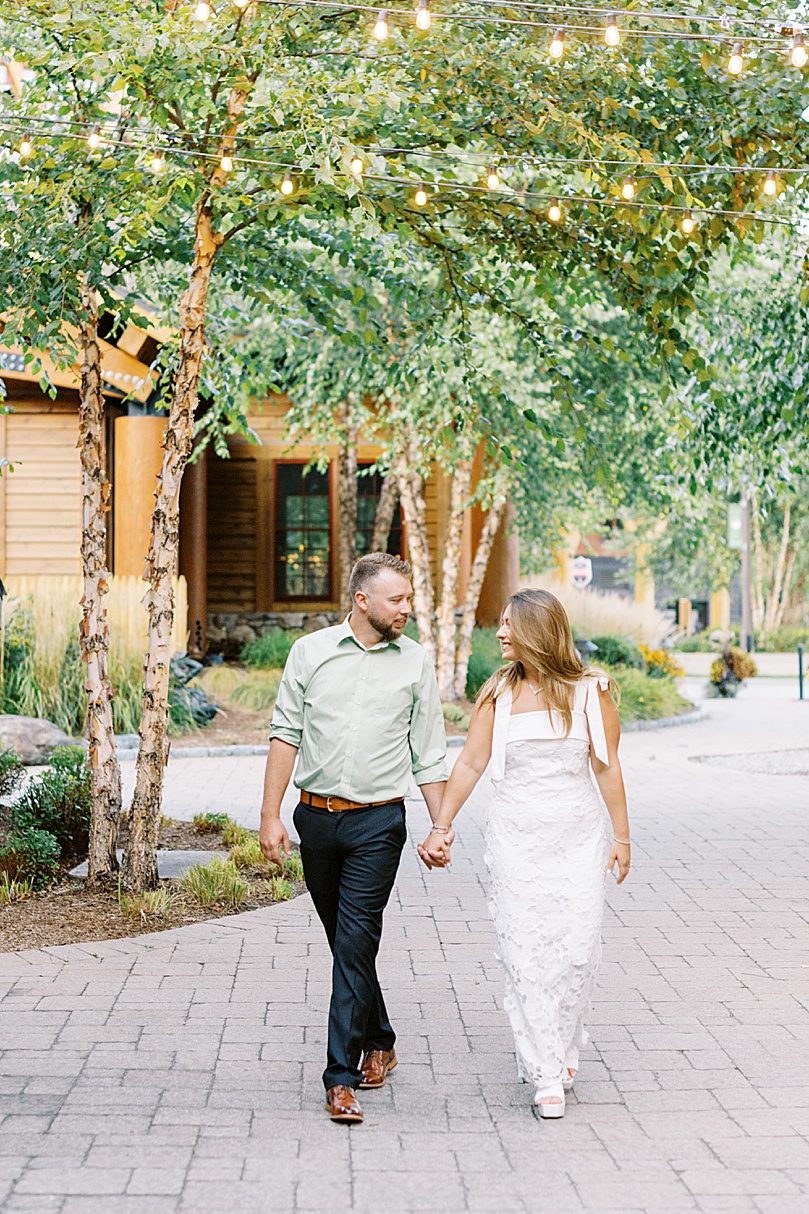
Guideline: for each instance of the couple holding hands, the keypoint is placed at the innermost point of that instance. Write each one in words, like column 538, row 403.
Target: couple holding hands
column 358, row 710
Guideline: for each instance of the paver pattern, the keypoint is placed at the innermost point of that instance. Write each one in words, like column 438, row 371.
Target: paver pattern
column 180, row 1073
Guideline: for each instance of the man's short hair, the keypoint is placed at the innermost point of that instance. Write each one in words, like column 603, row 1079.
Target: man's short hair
column 372, row 564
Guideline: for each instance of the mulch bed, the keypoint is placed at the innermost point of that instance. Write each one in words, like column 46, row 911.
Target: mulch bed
column 67, row 913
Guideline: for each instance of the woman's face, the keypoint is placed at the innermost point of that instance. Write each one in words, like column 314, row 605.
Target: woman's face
column 504, row 636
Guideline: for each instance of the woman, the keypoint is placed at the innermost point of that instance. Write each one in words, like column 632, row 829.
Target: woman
column 544, row 721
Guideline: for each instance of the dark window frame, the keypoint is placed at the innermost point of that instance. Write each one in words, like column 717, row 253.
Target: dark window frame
column 279, row 548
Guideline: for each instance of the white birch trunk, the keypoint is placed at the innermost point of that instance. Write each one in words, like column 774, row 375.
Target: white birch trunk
column 94, row 629
column 385, row 510
column 347, row 500
column 774, row 597
column 478, row 572
column 411, row 492
column 446, row 628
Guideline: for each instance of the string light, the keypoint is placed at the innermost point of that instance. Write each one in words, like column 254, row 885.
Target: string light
column 493, row 178
column 554, row 211
column 420, row 197
column 288, row 184
column 736, row 62
column 770, row 186
column 423, row 18
column 628, row 188
column 612, row 35
column 202, row 12
column 381, row 27
column 799, row 54
column 688, row 223
column 226, row 162
column 357, row 166
column 158, row 162
column 557, row 47
column 26, row 146
column 94, row 138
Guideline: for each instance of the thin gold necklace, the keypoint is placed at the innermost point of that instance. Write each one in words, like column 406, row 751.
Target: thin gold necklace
column 536, row 691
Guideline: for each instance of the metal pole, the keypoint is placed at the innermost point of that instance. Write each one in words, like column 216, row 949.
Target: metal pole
column 800, row 672
column 747, row 596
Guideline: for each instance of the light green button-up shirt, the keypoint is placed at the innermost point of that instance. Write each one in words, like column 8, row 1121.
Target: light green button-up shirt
column 363, row 720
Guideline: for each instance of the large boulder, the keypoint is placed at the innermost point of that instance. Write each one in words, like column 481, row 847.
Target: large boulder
column 34, row 740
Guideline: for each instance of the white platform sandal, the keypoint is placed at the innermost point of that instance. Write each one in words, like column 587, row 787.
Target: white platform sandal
column 543, row 1108
column 569, row 1077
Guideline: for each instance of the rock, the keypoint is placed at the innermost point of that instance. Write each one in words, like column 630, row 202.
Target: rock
column 33, row 739
column 242, row 634
column 314, row 623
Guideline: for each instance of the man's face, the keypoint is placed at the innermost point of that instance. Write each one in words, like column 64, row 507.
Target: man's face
column 386, row 601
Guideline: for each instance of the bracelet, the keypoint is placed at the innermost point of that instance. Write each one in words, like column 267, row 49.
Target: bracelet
column 442, row 830
column 626, row 841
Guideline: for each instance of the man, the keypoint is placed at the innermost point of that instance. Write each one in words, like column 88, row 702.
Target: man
column 358, row 708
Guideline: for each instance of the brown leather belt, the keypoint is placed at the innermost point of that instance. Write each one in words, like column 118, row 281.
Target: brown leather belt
column 336, row 805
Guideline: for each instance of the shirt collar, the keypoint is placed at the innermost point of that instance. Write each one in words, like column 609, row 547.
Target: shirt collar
column 346, row 633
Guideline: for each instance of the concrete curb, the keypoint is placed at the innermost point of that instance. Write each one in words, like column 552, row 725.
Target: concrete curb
column 686, row 718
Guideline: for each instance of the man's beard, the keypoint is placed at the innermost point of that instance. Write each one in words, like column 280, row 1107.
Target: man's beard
column 388, row 632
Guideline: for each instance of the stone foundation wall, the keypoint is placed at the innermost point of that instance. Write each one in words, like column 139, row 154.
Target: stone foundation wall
column 229, row 631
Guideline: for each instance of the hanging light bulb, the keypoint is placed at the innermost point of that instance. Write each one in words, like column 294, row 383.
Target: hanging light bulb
column 799, row 55
column 242, row 4
column 770, row 186
column 381, row 27
column 493, row 178
column 202, row 12
column 357, row 166
column 557, row 47
column 736, row 62
column 423, row 18
column 26, row 146
column 94, row 138
column 158, row 162
column 688, row 223
column 420, row 197
column 226, row 162
column 288, row 184
column 612, row 35
column 628, row 188
column 554, row 211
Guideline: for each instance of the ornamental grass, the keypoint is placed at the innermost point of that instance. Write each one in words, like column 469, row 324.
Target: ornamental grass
column 217, row 883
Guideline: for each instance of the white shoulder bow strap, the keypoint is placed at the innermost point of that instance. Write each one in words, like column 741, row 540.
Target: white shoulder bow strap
column 595, row 721
column 502, row 712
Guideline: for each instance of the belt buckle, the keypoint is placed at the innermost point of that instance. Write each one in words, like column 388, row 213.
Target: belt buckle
column 328, row 806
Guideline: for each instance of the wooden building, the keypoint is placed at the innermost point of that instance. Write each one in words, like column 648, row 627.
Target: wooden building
column 258, row 533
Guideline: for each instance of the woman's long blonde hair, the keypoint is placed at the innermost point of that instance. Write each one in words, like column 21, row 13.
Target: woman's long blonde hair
column 542, row 639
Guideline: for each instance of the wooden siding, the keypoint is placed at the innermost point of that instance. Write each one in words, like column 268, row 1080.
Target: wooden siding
column 42, row 494
column 232, row 532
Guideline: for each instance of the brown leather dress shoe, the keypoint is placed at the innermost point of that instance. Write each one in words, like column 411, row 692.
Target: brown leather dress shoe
column 342, row 1104
column 375, row 1067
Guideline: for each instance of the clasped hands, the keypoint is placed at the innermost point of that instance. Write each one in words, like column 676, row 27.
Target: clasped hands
column 435, row 850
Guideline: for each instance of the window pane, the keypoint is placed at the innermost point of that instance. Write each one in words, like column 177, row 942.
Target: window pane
column 368, row 490
column 302, row 533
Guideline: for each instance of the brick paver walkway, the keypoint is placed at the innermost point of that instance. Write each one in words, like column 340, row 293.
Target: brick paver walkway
column 180, row 1073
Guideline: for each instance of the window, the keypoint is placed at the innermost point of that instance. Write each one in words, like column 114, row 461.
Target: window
column 302, row 533
column 369, row 487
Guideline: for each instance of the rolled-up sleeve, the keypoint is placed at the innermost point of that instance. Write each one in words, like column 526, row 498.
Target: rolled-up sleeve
column 428, row 738
column 287, row 717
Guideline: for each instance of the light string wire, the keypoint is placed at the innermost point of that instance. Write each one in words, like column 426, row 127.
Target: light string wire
column 490, row 19
column 779, row 28
column 518, row 197
column 140, row 140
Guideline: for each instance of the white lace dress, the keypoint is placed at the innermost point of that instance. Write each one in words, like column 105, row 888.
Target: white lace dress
column 546, row 856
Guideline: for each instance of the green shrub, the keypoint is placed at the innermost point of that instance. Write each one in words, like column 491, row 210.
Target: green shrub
column 485, row 658
column 660, row 664
column 785, row 639
column 280, row 889
column 616, row 650
column 293, row 866
column 258, row 690
column 151, row 904
column 217, row 883
column 271, row 650
column 210, row 823
column 13, row 889
column 233, row 834
column 248, row 854
column 11, row 771
column 31, row 855
column 59, row 801
column 645, row 699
